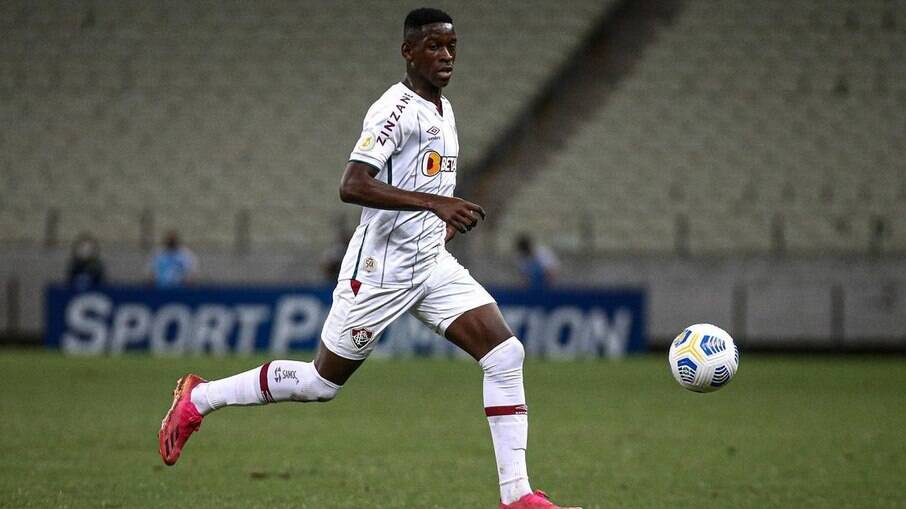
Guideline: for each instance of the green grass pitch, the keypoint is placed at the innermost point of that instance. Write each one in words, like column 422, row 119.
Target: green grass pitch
column 788, row 432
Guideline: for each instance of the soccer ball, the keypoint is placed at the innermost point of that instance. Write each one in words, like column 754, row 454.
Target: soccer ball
column 703, row 358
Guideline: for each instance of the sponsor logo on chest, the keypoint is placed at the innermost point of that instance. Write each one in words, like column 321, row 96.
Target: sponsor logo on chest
column 433, row 133
column 433, row 163
column 395, row 117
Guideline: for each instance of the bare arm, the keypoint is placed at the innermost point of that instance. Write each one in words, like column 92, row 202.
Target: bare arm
column 359, row 186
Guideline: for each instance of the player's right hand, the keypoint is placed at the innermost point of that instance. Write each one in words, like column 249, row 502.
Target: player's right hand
column 458, row 213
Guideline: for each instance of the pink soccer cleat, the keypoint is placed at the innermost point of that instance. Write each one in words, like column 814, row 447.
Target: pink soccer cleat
column 536, row 500
column 181, row 420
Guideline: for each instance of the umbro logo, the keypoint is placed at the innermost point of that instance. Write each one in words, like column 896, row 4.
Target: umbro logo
column 434, row 130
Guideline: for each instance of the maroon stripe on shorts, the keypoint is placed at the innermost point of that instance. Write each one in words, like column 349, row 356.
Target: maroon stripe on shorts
column 494, row 411
column 262, row 380
column 355, row 284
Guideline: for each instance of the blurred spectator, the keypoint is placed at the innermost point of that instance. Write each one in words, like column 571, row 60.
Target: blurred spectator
column 174, row 265
column 86, row 270
column 537, row 263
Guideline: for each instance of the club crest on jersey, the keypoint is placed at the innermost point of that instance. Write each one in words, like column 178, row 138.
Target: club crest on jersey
column 434, row 163
column 361, row 337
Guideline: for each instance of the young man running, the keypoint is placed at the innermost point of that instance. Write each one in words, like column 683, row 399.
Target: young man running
column 402, row 172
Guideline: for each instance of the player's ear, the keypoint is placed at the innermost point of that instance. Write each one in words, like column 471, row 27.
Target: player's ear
column 406, row 51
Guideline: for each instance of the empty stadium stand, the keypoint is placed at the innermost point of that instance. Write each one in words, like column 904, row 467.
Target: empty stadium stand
column 126, row 118
column 746, row 127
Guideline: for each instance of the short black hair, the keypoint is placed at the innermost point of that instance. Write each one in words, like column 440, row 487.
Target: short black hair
column 418, row 18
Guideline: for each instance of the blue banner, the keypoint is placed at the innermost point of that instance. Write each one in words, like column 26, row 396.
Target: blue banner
column 222, row 320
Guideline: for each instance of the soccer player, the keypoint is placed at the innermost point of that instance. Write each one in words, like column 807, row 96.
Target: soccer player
column 402, row 171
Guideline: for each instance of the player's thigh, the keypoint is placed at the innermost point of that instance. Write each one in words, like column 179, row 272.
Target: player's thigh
column 356, row 322
column 460, row 309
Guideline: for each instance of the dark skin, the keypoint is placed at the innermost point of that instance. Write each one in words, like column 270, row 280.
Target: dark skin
column 429, row 54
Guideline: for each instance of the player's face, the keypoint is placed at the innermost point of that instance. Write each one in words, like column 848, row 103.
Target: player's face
column 432, row 56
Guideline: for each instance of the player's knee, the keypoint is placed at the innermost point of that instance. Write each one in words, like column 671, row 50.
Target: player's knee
column 324, row 393
column 505, row 357
column 315, row 388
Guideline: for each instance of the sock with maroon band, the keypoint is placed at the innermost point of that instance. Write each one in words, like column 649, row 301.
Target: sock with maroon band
column 504, row 405
column 275, row 381
column 241, row 389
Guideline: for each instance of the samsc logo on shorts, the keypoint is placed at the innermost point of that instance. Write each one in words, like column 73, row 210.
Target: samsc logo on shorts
column 361, row 337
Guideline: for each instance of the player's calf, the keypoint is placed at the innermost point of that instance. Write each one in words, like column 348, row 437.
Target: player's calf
column 504, row 404
column 275, row 381
column 502, row 368
column 296, row 381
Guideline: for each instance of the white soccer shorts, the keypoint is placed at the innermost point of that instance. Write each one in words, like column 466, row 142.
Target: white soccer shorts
column 356, row 320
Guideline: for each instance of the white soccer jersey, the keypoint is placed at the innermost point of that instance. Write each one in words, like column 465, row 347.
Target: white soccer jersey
column 413, row 147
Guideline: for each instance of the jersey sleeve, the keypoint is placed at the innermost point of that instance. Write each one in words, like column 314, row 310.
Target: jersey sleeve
column 384, row 131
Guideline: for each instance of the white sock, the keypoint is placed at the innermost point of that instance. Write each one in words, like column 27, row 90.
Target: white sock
column 274, row 381
column 510, row 435
column 241, row 389
column 504, row 402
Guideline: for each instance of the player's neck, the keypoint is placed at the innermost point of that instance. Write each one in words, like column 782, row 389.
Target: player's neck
column 425, row 90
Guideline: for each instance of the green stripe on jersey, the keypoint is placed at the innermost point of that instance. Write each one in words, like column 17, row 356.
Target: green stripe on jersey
column 359, row 257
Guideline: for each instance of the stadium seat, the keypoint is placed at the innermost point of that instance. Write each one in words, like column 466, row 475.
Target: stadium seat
column 737, row 114
column 195, row 110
